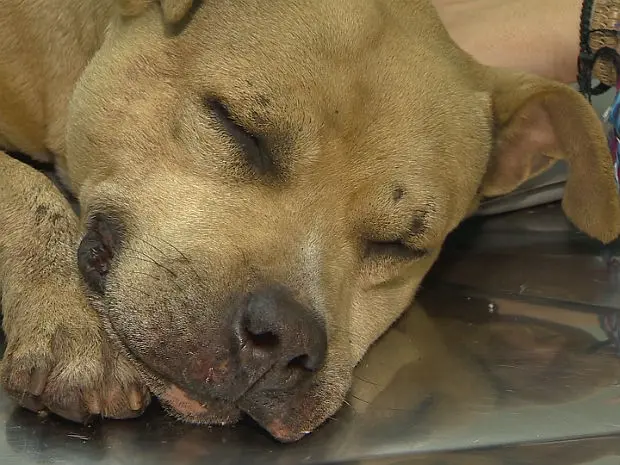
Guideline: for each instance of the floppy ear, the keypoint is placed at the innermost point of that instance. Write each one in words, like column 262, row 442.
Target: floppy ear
column 537, row 123
column 172, row 10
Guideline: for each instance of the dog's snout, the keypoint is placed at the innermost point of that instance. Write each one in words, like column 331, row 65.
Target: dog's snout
column 275, row 330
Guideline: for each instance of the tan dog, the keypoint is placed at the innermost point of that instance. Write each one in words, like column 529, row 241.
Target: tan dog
column 263, row 185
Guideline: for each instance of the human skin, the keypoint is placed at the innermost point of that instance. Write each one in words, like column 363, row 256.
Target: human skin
column 541, row 37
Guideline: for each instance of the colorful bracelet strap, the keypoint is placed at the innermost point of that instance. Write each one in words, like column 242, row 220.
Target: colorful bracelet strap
column 612, row 121
column 610, row 322
column 598, row 58
column 598, row 43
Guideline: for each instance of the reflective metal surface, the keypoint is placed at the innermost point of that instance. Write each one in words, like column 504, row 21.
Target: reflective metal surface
column 500, row 362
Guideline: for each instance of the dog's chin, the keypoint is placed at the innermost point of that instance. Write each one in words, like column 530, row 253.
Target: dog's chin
column 177, row 402
column 183, row 407
column 287, row 418
column 284, row 421
column 282, row 425
column 290, row 417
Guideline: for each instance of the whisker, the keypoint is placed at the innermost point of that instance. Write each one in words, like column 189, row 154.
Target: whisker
column 161, row 252
column 144, row 274
column 359, row 398
column 364, row 380
column 153, row 261
column 152, row 245
column 179, row 252
column 185, row 257
column 392, row 409
column 135, row 257
column 139, row 290
column 173, row 281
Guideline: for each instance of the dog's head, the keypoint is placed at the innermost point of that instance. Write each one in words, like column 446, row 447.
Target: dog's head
column 265, row 184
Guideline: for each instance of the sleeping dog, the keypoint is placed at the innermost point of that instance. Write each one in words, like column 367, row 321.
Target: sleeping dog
column 262, row 187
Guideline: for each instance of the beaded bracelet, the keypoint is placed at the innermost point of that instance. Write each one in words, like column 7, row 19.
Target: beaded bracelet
column 599, row 58
column 598, row 43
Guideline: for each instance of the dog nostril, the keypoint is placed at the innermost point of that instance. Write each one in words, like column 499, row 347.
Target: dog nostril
column 272, row 327
column 301, row 362
column 265, row 340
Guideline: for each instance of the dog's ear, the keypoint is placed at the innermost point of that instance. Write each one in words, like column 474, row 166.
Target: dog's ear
column 172, row 10
column 538, row 122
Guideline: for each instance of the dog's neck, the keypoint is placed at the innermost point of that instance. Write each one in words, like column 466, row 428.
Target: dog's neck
column 58, row 39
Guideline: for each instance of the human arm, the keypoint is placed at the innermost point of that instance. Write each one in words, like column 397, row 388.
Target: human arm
column 538, row 36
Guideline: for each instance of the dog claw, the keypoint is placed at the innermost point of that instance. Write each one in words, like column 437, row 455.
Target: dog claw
column 31, row 403
column 135, row 399
column 73, row 415
column 38, row 380
column 94, row 405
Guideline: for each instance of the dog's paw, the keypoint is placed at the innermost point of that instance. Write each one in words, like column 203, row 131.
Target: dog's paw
column 72, row 372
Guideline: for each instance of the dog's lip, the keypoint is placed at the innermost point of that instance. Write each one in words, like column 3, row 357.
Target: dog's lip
column 196, row 407
column 278, row 429
column 190, row 409
column 189, row 406
column 192, row 406
column 149, row 372
column 185, row 403
column 163, row 384
column 181, row 401
column 159, row 383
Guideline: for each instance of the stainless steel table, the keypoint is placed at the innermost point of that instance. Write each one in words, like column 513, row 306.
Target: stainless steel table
column 500, row 362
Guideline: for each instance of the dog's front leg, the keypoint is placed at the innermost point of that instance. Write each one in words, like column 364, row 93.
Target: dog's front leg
column 57, row 357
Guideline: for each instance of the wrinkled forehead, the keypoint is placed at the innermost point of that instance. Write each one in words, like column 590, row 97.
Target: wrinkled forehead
column 335, row 51
column 354, row 77
column 349, row 65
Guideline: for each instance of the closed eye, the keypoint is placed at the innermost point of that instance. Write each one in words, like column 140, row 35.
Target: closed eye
column 253, row 146
column 394, row 250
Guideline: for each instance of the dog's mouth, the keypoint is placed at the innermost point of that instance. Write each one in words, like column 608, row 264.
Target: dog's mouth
column 179, row 404
column 185, row 405
column 265, row 358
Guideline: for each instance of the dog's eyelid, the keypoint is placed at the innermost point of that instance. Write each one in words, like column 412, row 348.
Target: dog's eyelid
column 220, row 109
column 253, row 145
column 413, row 242
column 419, row 250
column 397, row 249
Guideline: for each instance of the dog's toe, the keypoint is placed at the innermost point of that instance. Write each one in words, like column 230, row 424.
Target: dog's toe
column 124, row 402
column 79, row 382
column 38, row 380
column 76, row 415
column 28, row 401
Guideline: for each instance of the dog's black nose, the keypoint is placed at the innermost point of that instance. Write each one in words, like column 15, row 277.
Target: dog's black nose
column 277, row 333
